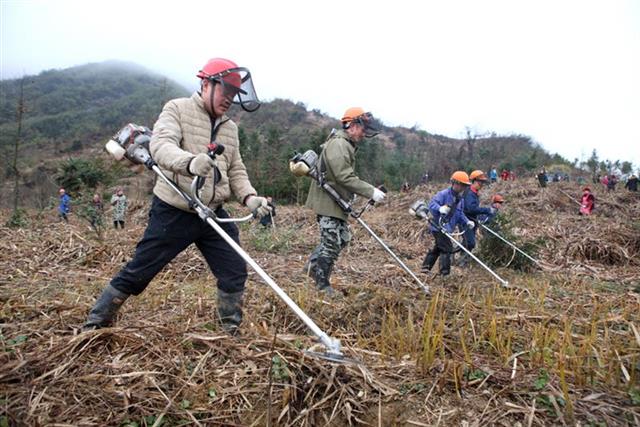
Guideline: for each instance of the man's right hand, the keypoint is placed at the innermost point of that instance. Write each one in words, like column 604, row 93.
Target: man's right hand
column 378, row 195
column 444, row 210
column 201, row 165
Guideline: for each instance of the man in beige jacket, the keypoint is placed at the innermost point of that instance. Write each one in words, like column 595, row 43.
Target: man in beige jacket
column 179, row 145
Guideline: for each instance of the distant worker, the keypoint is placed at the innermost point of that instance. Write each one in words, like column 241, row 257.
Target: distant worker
column 64, row 206
column 587, row 201
column 447, row 211
column 542, row 178
column 337, row 162
column 97, row 209
column 632, row 183
column 493, row 174
column 119, row 203
column 425, row 178
column 611, row 183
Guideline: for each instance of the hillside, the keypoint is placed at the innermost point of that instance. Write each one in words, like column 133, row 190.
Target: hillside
column 71, row 113
column 560, row 347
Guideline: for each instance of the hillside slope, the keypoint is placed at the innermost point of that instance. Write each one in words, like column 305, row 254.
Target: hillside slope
column 561, row 346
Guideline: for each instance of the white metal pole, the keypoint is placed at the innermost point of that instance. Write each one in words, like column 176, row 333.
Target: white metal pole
column 509, row 243
column 366, row 227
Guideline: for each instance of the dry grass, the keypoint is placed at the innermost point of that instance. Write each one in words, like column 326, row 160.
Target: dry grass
column 561, row 347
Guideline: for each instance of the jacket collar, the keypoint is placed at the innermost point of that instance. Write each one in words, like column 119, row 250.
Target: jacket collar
column 197, row 98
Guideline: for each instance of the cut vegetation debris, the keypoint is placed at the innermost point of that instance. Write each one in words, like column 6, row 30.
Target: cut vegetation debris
column 560, row 347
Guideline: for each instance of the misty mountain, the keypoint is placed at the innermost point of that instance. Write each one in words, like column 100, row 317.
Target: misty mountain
column 73, row 112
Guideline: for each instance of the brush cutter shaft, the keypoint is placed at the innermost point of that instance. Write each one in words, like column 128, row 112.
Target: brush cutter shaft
column 461, row 246
column 333, row 345
column 509, row 243
column 571, row 197
column 395, row 257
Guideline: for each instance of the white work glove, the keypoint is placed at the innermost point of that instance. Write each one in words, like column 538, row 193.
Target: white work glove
column 377, row 195
column 259, row 205
column 201, row 165
column 444, row 210
column 471, row 225
column 493, row 211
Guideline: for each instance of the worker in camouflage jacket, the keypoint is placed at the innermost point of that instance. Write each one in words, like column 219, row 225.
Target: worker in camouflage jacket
column 337, row 166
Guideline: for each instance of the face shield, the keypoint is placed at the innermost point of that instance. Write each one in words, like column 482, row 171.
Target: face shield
column 237, row 84
column 369, row 123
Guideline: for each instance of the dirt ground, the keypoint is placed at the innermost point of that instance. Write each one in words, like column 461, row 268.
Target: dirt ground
column 560, row 346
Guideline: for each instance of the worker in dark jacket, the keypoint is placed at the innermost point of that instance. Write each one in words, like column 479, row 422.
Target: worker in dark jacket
column 447, row 211
column 632, row 183
column 473, row 210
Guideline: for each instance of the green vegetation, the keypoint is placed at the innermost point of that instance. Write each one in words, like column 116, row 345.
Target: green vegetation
column 75, row 111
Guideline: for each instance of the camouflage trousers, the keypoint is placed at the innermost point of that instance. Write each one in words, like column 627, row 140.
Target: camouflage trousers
column 334, row 237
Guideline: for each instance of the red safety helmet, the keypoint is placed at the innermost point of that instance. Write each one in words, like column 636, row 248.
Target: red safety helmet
column 235, row 81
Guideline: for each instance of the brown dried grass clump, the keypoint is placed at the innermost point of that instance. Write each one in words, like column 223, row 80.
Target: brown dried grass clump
column 562, row 346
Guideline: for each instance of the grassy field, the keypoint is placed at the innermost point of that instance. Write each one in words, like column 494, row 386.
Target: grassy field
column 560, row 346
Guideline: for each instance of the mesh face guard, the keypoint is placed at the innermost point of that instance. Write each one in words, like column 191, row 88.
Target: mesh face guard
column 369, row 123
column 237, row 84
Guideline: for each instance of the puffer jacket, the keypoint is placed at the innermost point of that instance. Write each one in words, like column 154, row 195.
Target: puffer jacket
column 338, row 159
column 184, row 130
column 472, row 208
column 455, row 216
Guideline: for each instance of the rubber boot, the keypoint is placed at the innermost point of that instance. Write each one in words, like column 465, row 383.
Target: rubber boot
column 230, row 310
column 463, row 260
column 322, row 275
column 445, row 264
column 429, row 262
column 105, row 309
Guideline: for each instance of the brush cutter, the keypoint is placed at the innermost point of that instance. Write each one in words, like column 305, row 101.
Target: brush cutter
column 510, row 244
column 306, row 164
column 421, row 210
column 570, row 196
column 132, row 143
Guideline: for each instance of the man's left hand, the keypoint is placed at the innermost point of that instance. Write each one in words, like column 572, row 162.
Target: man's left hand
column 259, row 205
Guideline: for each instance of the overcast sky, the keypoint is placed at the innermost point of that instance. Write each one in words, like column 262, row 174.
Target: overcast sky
column 565, row 72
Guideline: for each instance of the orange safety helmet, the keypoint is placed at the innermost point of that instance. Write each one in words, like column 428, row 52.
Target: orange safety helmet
column 359, row 116
column 460, row 177
column 497, row 198
column 478, row 175
column 352, row 114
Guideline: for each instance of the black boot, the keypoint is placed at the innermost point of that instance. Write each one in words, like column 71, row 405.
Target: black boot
column 445, row 264
column 230, row 310
column 429, row 261
column 105, row 309
column 323, row 273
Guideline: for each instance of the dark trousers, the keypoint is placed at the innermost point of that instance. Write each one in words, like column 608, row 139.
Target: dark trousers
column 169, row 232
column 443, row 248
column 469, row 238
column 115, row 224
